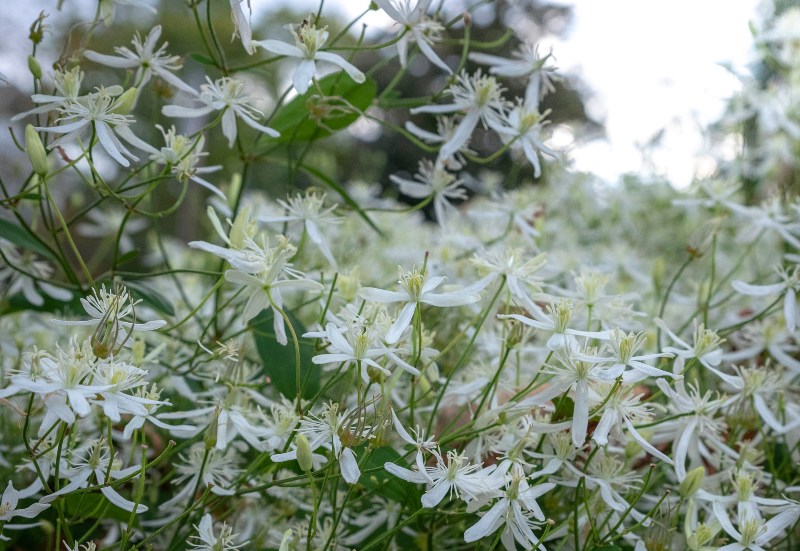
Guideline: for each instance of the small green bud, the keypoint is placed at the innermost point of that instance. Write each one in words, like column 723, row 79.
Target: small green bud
column 34, row 67
column 127, row 101
column 36, row 151
column 210, row 438
column 303, row 453
column 692, row 482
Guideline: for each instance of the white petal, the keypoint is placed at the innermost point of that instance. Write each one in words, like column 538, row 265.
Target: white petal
column 349, row 466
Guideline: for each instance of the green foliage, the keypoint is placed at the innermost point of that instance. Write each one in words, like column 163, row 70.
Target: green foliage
column 311, row 116
column 279, row 360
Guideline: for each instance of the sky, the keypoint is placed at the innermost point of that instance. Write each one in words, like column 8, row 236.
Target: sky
column 652, row 67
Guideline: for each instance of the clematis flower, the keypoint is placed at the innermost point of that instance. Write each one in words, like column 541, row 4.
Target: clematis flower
column 9, row 506
column 513, row 511
column 524, row 62
column 479, row 98
column 788, row 288
column 414, row 25
column 309, row 210
column 146, row 60
column 241, row 24
column 98, row 112
column 206, row 540
column 182, row 155
column 225, row 94
column 308, row 41
column 95, row 459
column 456, row 476
column 417, row 289
column 433, row 180
column 112, row 308
column 336, row 431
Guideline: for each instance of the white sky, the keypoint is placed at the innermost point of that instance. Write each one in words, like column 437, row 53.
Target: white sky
column 651, row 65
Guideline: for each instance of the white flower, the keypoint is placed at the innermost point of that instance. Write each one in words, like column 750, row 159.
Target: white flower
column 693, row 428
column 433, row 180
column 523, row 125
column 328, row 430
column 218, row 468
column 456, row 476
column 309, row 210
column 525, row 62
column 10, row 501
column 95, row 459
column 417, row 289
column 308, row 42
column 754, row 534
column 788, row 288
column 110, row 308
column 556, row 320
column 241, row 25
column 225, row 94
column 512, row 510
column 97, row 112
column 207, row 541
column 357, row 345
column 515, row 266
column 146, row 60
column 182, row 155
column 22, row 273
column 67, row 86
column 264, row 277
column 621, row 408
column 423, row 30
column 479, row 98
column 119, row 379
column 624, row 347
column 705, row 348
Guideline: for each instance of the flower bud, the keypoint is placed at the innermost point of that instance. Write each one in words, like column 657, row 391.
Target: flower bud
column 34, row 67
column 303, row 453
column 36, row 151
column 692, row 482
column 127, row 101
column 210, row 438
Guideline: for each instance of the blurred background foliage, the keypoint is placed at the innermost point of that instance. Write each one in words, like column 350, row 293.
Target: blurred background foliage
column 365, row 152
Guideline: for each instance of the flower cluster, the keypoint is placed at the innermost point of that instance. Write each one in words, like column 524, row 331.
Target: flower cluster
column 564, row 363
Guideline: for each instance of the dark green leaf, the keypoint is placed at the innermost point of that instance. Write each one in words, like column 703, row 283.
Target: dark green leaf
column 85, row 505
column 150, row 297
column 127, row 257
column 22, row 237
column 200, row 58
column 565, row 407
column 279, row 360
column 383, row 483
column 309, row 117
column 18, row 303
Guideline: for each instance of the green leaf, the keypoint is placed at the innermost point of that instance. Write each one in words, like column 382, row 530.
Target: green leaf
column 150, row 297
column 18, row 303
column 22, row 237
column 279, row 360
column 310, row 117
column 565, row 407
column 127, row 257
column 85, row 505
column 200, row 58
column 385, row 484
